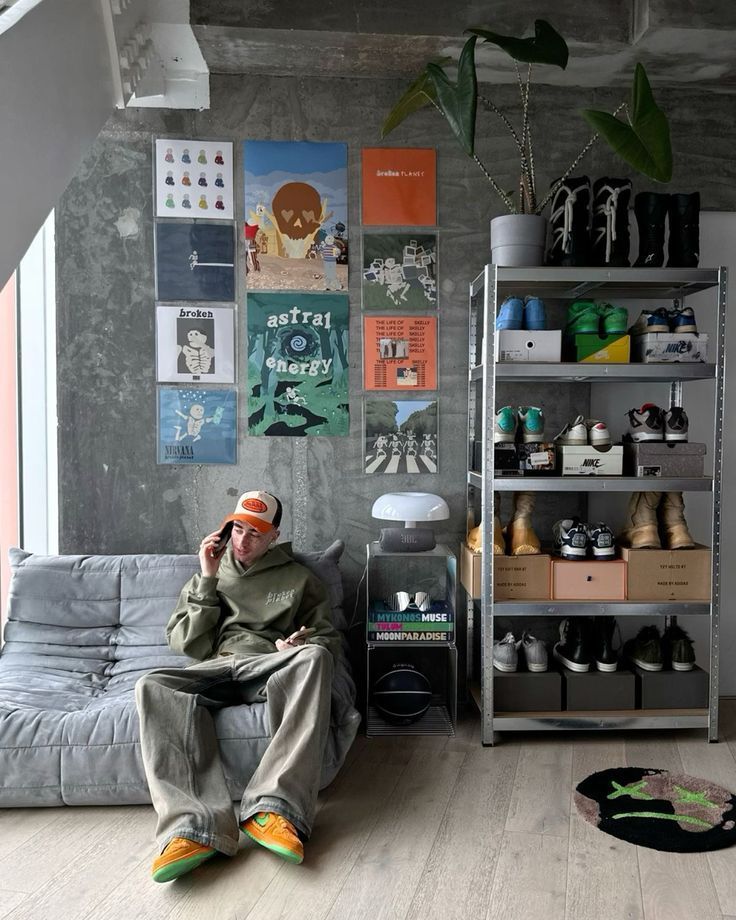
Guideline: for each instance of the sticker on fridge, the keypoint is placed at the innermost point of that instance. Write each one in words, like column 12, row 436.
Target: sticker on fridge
column 400, row 352
column 195, row 344
column 197, row 425
column 194, row 178
column 400, row 436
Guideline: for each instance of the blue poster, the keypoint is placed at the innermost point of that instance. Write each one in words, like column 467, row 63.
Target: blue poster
column 195, row 262
column 197, row 425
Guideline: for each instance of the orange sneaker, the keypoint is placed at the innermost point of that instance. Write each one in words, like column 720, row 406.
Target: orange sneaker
column 180, row 855
column 275, row 833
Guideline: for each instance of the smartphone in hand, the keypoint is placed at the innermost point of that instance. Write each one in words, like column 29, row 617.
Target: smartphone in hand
column 223, row 538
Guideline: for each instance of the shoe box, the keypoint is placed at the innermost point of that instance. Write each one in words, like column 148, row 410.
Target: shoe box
column 515, row 578
column 590, row 348
column 526, row 691
column 588, row 579
column 535, row 459
column 668, row 575
column 667, row 347
column 586, row 460
column 590, row 690
column 668, row 689
column 526, row 345
column 664, row 458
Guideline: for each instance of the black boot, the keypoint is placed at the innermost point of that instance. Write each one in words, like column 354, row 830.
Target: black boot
column 684, row 242
column 574, row 648
column 610, row 232
column 651, row 210
column 603, row 653
column 570, row 220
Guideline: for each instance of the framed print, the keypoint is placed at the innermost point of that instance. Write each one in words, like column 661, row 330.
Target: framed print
column 399, row 186
column 400, row 352
column 195, row 262
column 400, row 435
column 197, row 425
column 194, row 178
column 399, row 271
column 195, row 344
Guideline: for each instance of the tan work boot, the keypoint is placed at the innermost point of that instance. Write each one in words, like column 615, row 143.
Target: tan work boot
column 499, row 544
column 641, row 531
column 519, row 531
column 674, row 526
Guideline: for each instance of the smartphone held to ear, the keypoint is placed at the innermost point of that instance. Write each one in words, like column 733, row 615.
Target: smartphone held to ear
column 222, row 539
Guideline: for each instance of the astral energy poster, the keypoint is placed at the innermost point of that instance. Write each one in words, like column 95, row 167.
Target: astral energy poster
column 399, row 271
column 298, row 364
column 400, row 352
column 195, row 344
column 194, row 179
column 197, row 425
column 195, row 262
column 400, row 436
column 399, row 186
column 296, row 215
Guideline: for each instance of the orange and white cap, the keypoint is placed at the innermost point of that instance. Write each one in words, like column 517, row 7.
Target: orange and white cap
column 259, row 509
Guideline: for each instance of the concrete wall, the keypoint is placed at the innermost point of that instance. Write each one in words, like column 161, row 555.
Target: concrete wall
column 114, row 498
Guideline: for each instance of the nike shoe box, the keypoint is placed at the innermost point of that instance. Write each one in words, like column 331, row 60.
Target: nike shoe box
column 527, row 691
column 668, row 347
column 590, row 690
column 681, row 459
column 667, row 689
column 588, row 580
column 590, row 348
column 515, row 578
column 523, row 345
column 668, row 574
column 586, row 460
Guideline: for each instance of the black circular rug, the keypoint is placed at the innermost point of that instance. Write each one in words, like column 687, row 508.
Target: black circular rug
column 659, row 809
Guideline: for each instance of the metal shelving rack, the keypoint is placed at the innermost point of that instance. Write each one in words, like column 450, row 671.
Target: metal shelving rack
column 608, row 285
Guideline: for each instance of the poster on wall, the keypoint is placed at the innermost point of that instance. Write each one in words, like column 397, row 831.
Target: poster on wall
column 298, row 364
column 296, row 215
column 399, row 271
column 195, row 262
column 399, row 186
column 194, row 178
column 400, row 436
column 197, row 425
column 195, row 344
column 400, row 352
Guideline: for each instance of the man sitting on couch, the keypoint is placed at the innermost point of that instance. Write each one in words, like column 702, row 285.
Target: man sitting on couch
column 259, row 625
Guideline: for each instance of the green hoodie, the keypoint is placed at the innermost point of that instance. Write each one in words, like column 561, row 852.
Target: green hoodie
column 245, row 610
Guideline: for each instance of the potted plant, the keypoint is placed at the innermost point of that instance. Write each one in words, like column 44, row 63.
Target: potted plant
column 642, row 140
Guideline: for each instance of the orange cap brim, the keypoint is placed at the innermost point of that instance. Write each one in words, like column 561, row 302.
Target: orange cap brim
column 258, row 523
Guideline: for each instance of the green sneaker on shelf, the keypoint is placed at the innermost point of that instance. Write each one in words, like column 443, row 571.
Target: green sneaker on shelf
column 583, row 316
column 615, row 319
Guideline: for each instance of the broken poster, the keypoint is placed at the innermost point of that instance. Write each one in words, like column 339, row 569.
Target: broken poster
column 197, row 425
column 400, row 436
column 399, row 352
column 195, row 343
column 399, row 270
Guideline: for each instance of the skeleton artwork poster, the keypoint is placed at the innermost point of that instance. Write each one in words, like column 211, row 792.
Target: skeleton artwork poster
column 400, row 436
column 296, row 216
column 298, row 364
column 194, row 178
column 197, row 425
column 195, row 262
column 195, row 344
column 399, row 271
column 400, row 352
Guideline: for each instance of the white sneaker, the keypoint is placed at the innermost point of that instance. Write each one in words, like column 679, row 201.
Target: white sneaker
column 598, row 433
column 575, row 432
column 506, row 653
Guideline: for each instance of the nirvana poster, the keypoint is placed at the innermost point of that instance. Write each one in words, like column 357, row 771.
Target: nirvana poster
column 400, row 436
column 298, row 364
column 197, row 425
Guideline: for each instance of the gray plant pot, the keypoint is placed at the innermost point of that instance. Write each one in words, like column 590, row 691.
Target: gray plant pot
column 518, row 239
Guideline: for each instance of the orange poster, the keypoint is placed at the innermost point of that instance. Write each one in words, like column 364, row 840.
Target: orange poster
column 400, row 186
column 400, row 352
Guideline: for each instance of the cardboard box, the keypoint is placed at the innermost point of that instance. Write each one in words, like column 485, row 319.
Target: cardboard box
column 669, row 347
column 599, row 690
column 588, row 580
column 515, row 578
column 537, row 459
column 522, row 345
column 664, row 458
column 602, row 349
column 668, row 575
column 672, row 689
column 525, row 691
column 586, row 460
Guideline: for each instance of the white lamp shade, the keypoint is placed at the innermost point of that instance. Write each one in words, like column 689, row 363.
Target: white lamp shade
column 410, row 507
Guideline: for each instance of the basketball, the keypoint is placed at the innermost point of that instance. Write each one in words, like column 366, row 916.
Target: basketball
column 402, row 695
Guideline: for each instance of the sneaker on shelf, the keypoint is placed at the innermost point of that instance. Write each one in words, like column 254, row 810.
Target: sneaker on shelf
column 574, row 432
column 505, row 425
column 535, row 652
column 645, row 651
column 682, row 321
column 647, row 423
column 651, row 321
column 574, row 648
column 531, row 422
column 677, row 648
column 571, row 538
column 506, row 653
column 535, row 313
column 601, row 541
column 604, row 654
column 510, row 314
column 583, row 316
column 615, row 319
column 598, row 433
column 675, row 424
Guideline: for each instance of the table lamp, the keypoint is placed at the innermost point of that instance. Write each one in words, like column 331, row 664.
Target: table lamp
column 412, row 508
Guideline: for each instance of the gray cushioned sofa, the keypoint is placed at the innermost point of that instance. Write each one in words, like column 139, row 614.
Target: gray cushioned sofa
column 80, row 632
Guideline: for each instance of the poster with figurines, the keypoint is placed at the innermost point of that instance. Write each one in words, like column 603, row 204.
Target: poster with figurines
column 194, row 178
column 195, row 343
column 197, row 425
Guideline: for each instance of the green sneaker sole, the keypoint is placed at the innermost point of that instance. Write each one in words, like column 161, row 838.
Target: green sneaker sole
column 583, row 324
column 275, row 848
column 180, row 867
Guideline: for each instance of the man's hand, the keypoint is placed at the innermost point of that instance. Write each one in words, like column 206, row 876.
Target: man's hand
column 300, row 637
column 209, row 555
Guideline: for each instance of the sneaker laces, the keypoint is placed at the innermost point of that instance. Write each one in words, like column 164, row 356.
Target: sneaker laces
column 609, row 208
column 565, row 209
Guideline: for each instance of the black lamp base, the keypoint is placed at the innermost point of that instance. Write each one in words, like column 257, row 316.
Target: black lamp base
column 407, row 539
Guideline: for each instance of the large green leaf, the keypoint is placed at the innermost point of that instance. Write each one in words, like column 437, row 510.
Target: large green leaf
column 419, row 94
column 546, row 47
column 645, row 142
column 458, row 101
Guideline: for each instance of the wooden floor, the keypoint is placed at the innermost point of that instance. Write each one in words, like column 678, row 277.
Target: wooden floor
column 416, row 828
